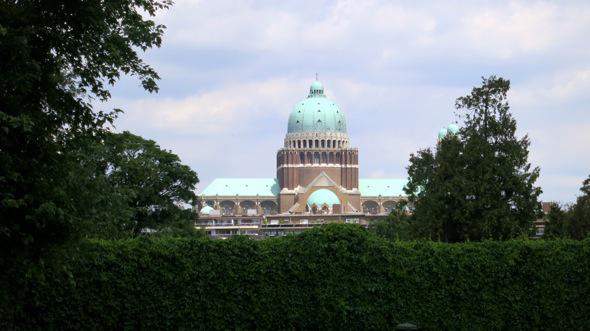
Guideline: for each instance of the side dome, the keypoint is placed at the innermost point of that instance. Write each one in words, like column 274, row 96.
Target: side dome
column 316, row 113
column 453, row 128
column 206, row 210
column 443, row 133
column 323, row 197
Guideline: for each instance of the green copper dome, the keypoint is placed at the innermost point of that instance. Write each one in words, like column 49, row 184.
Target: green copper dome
column 453, row 128
column 442, row 133
column 316, row 113
column 321, row 197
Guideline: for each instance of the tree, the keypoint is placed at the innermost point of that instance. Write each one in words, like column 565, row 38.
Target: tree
column 55, row 58
column 558, row 222
column 396, row 226
column 478, row 184
column 436, row 184
column 145, row 187
column 580, row 213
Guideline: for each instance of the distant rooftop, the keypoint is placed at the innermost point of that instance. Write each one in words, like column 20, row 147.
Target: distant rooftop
column 242, row 187
column 266, row 187
column 382, row 186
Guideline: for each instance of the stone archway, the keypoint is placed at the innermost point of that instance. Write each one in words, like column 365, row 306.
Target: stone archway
column 370, row 207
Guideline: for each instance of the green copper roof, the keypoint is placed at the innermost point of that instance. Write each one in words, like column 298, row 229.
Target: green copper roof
column 316, row 113
column 321, row 197
column 266, row 187
column 382, row 186
column 242, row 186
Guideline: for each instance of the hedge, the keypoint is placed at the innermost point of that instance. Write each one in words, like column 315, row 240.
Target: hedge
column 334, row 277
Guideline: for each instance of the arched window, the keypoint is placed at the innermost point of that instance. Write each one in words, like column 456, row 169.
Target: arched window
column 338, row 159
column 305, row 144
column 324, row 157
column 309, row 158
column 334, row 143
column 389, row 206
column 227, row 207
column 248, row 206
column 268, row 207
column 310, row 144
column 323, row 143
column 339, row 145
column 298, row 143
column 370, row 207
column 302, row 157
column 331, row 157
column 316, row 158
column 317, row 143
column 329, row 143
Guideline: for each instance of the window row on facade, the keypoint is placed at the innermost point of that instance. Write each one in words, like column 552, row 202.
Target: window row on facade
column 267, row 207
column 316, row 143
column 318, row 158
column 228, row 207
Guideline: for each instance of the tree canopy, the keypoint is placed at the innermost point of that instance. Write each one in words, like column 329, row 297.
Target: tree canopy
column 571, row 221
column 57, row 57
column 477, row 184
column 143, row 188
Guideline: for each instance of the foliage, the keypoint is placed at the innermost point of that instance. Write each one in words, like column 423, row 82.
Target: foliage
column 557, row 225
column 146, row 188
column 396, row 226
column 571, row 221
column 334, row 277
column 580, row 213
column 478, row 183
column 55, row 58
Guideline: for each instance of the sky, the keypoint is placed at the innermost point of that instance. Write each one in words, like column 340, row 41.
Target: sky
column 231, row 72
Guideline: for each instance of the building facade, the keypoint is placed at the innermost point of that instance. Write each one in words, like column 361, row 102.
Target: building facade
column 317, row 181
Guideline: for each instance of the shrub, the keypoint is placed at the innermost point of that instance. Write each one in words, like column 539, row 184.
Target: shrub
column 334, row 277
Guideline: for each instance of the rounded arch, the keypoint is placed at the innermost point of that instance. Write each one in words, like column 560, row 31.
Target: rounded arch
column 227, row 207
column 331, row 158
column 370, row 207
column 247, row 205
column 389, row 206
column 302, row 157
column 316, row 158
column 324, row 157
column 210, row 203
column 269, row 207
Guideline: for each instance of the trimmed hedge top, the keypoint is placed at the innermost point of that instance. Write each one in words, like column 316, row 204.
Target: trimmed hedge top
column 333, row 277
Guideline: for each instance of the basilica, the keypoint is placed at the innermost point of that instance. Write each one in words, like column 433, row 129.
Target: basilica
column 317, row 181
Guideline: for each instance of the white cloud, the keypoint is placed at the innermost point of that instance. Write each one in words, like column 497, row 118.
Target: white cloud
column 499, row 30
column 229, row 109
column 233, row 70
column 553, row 89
